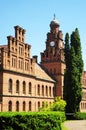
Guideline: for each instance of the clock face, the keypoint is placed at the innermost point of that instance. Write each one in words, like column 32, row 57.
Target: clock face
column 52, row 43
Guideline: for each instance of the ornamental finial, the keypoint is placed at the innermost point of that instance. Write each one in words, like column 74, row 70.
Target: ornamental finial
column 54, row 16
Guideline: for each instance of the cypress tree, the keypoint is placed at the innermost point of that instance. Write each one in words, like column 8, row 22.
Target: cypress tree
column 76, row 70
column 67, row 50
column 73, row 74
column 66, row 90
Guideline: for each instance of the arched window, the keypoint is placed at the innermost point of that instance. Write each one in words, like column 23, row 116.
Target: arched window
column 17, row 86
column 49, row 91
column 46, row 91
column 38, row 106
column 30, row 106
column 10, row 84
column 17, row 106
column 24, row 87
column 42, row 90
column 10, row 106
column 30, row 88
column 38, row 90
column 24, row 105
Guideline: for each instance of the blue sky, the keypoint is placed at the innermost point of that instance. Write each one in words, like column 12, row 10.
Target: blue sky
column 35, row 17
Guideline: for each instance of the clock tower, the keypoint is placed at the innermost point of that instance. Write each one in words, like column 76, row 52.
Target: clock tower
column 52, row 59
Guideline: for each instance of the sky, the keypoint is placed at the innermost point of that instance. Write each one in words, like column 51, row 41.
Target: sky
column 35, row 17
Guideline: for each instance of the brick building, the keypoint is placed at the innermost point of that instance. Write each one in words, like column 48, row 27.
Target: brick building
column 25, row 84
column 83, row 102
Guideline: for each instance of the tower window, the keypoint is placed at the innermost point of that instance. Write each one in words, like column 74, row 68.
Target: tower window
column 47, row 54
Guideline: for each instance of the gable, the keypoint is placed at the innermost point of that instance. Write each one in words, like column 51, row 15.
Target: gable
column 41, row 74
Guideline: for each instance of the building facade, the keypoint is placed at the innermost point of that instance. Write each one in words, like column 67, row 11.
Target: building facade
column 24, row 84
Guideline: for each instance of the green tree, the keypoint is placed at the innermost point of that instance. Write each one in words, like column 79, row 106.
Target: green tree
column 67, row 50
column 67, row 59
column 67, row 79
column 74, row 68
column 58, row 105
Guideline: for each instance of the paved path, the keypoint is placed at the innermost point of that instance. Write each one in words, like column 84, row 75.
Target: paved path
column 75, row 125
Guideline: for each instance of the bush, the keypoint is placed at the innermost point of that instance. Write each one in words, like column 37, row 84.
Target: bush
column 58, row 105
column 80, row 116
column 31, row 121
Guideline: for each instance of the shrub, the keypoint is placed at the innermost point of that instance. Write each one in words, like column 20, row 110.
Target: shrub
column 58, row 105
column 32, row 121
column 80, row 116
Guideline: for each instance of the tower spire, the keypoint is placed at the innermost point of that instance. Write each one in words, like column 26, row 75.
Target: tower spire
column 54, row 16
column 54, row 22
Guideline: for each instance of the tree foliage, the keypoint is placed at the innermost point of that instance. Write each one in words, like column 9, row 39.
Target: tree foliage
column 73, row 74
column 66, row 90
column 58, row 105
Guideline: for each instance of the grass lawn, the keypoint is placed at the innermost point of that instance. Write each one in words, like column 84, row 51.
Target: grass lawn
column 63, row 127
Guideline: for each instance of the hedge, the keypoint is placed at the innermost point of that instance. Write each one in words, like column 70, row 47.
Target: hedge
column 80, row 116
column 31, row 120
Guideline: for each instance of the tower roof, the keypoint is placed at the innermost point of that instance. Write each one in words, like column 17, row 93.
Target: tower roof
column 54, row 21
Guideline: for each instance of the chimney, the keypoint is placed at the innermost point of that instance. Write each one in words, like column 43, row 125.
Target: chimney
column 35, row 57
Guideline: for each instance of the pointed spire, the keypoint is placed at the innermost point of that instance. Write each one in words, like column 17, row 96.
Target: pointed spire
column 54, row 16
